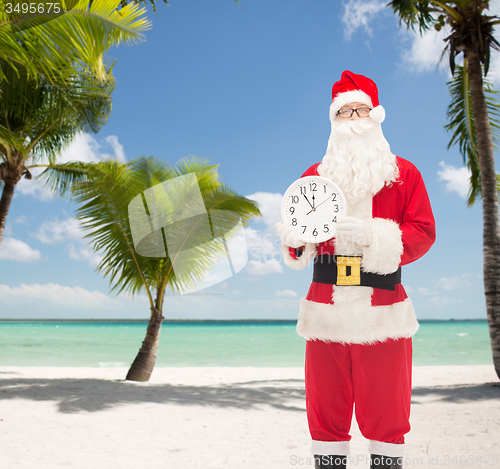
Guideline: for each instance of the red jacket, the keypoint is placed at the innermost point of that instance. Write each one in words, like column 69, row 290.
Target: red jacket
column 402, row 230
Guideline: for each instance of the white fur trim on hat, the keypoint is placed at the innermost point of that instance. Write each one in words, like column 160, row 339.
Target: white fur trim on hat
column 378, row 114
column 299, row 263
column 356, row 96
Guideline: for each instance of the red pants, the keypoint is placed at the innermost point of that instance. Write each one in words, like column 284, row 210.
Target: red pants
column 377, row 378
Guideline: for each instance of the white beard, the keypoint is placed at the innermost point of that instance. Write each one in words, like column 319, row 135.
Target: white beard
column 358, row 158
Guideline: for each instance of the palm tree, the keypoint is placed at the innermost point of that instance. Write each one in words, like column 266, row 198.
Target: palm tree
column 472, row 36
column 38, row 119
column 41, row 111
column 106, row 200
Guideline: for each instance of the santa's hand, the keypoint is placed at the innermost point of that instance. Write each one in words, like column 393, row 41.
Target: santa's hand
column 288, row 236
column 353, row 230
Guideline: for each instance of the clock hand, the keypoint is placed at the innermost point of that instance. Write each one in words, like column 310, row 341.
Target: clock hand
column 323, row 201
column 305, row 197
column 315, row 208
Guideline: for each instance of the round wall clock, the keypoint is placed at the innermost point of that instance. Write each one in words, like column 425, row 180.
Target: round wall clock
column 311, row 206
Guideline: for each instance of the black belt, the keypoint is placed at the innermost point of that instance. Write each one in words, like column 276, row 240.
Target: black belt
column 346, row 270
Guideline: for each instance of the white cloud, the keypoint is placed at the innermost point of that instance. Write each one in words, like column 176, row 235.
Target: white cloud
column 84, row 254
column 21, row 220
column 117, row 147
column 87, row 149
column 359, row 13
column 425, row 52
column 269, row 205
column 62, row 231
column 457, row 179
column 196, row 306
column 33, row 187
column 18, row 251
column 264, row 251
column 494, row 7
column 260, row 268
column 442, row 301
column 59, row 295
column 454, row 283
column 287, row 293
column 57, row 231
column 264, row 246
column 425, row 291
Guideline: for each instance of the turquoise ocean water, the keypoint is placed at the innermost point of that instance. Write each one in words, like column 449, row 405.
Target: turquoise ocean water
column 212, row 343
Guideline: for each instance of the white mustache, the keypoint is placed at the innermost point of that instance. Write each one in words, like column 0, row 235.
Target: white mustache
column 355, row 127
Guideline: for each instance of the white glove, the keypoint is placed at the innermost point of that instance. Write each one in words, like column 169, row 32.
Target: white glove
column 288, row 236
column 353, row 230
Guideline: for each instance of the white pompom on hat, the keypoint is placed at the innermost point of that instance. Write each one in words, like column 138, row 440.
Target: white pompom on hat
column 352, row 88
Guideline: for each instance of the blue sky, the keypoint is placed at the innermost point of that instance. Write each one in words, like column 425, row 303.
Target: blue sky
column 249, row 89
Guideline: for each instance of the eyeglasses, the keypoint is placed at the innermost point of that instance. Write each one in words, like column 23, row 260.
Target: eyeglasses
column 347, row 113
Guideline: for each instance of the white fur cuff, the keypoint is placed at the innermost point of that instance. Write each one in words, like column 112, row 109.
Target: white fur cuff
column 386, row 449
column 299, row 263
column 383, row 255
column 330, row 447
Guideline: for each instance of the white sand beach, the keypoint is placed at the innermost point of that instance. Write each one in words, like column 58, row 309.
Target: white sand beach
column 218, row 418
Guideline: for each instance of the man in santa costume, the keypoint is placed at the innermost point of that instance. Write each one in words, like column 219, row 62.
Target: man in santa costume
column 359, row 347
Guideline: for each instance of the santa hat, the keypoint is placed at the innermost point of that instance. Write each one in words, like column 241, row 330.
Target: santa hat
column 352, row 88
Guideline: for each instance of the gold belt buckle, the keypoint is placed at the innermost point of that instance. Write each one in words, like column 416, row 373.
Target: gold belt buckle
column 348, row 270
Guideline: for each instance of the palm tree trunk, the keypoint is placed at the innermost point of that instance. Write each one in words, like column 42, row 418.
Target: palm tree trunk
column 144, row 362
column 5, row 201
column 491, row 226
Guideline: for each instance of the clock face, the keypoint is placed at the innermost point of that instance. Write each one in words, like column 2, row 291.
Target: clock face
column 311, row 206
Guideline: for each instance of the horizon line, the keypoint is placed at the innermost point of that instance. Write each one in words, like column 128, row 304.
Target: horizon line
column 193, row 320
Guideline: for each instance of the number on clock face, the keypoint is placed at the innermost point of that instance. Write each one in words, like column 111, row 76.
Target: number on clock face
column 311, row 205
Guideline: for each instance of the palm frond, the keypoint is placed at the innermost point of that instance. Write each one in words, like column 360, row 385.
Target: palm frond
column 78, row 39
column 60, row 178
column 103, row 198
column 461, row 125
column 39, row 118
column 10, row 140
column 413, row 13
column 141, row 2
column 36, row 102
column 94, row 30
column 153, row 3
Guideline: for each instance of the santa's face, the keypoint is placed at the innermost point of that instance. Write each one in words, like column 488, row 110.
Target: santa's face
column 358, row 157
column 359, row 113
